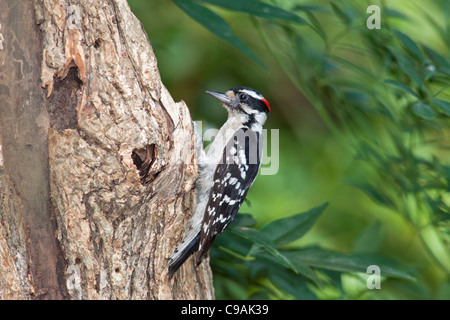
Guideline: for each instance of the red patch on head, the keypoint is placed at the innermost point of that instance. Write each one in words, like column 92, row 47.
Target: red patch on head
column 266, row 103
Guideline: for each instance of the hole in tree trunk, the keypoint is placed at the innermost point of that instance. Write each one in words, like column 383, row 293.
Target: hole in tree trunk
column 143, row 159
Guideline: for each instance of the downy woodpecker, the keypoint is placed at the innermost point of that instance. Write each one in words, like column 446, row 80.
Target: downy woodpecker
column 226, row 172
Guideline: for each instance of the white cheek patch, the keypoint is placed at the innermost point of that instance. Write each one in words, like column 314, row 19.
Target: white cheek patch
column 248, row 110
column 261, row 118
column 252, row 94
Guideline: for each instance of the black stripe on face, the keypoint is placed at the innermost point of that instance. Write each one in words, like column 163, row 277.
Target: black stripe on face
column 251, row 120
column 257, row 104
column 253, row 103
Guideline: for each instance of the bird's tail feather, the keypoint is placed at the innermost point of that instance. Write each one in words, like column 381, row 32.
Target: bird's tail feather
column 187, row 247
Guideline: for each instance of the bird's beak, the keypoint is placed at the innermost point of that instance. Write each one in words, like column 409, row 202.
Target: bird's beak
column 221, row 96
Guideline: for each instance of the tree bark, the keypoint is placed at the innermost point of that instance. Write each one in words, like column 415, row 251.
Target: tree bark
column 97, row 162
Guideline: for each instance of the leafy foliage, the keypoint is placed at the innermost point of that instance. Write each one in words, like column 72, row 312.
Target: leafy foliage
column 256, row 257
column 385, row 95
column 214, row 23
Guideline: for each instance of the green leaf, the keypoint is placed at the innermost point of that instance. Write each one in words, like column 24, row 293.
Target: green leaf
column 243, row 220
column 409, row 70
column 331, row 260
column 294, row 285
column 300, row 267
column 442, row 105
column 286, row 230
column 376, row 194
column 216, row 25
column 233, row 244
column 258, row 9
column 396, row 14
column 439, row 61
column 401, row 86
column 423, row 110
column 314, row 22
column 343, row 15
column 262, row 241
column 316, row 26
column 356, row 68
column 409, row 44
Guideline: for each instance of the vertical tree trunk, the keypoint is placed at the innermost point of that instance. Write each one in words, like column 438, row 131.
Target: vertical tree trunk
column 96, row 170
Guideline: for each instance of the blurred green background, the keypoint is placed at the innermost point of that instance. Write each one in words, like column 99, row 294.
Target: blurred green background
column 363, row 119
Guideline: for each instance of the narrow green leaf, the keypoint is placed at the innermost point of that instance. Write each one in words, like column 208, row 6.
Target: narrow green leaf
column 294, row 285
column 311, row 7
column 409, row 70
column 374, row 193
column 286, row 230
column 216, row 25
column 342, row 15
column 401, row 86
column 331, row 260
column 316, row 26
column 355, row 67
column 442, row 105
column 300, row 267
column 396, row 14
column 423, row 110
column 261, row 240
column 236, row 245
column 258, row 9
column 439, row 61
column 409, row 44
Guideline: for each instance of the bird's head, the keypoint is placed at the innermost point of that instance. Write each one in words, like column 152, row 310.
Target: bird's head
column 244, row 102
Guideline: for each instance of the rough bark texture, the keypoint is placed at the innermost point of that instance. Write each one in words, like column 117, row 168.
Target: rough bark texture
column 96, row 170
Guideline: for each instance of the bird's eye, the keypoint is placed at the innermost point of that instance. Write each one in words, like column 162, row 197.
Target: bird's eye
column 243, row 96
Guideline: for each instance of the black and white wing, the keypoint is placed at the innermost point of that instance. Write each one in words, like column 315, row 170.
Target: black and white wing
column 233, row 178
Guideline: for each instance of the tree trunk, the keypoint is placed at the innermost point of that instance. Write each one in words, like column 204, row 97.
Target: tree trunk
column 97, row 166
